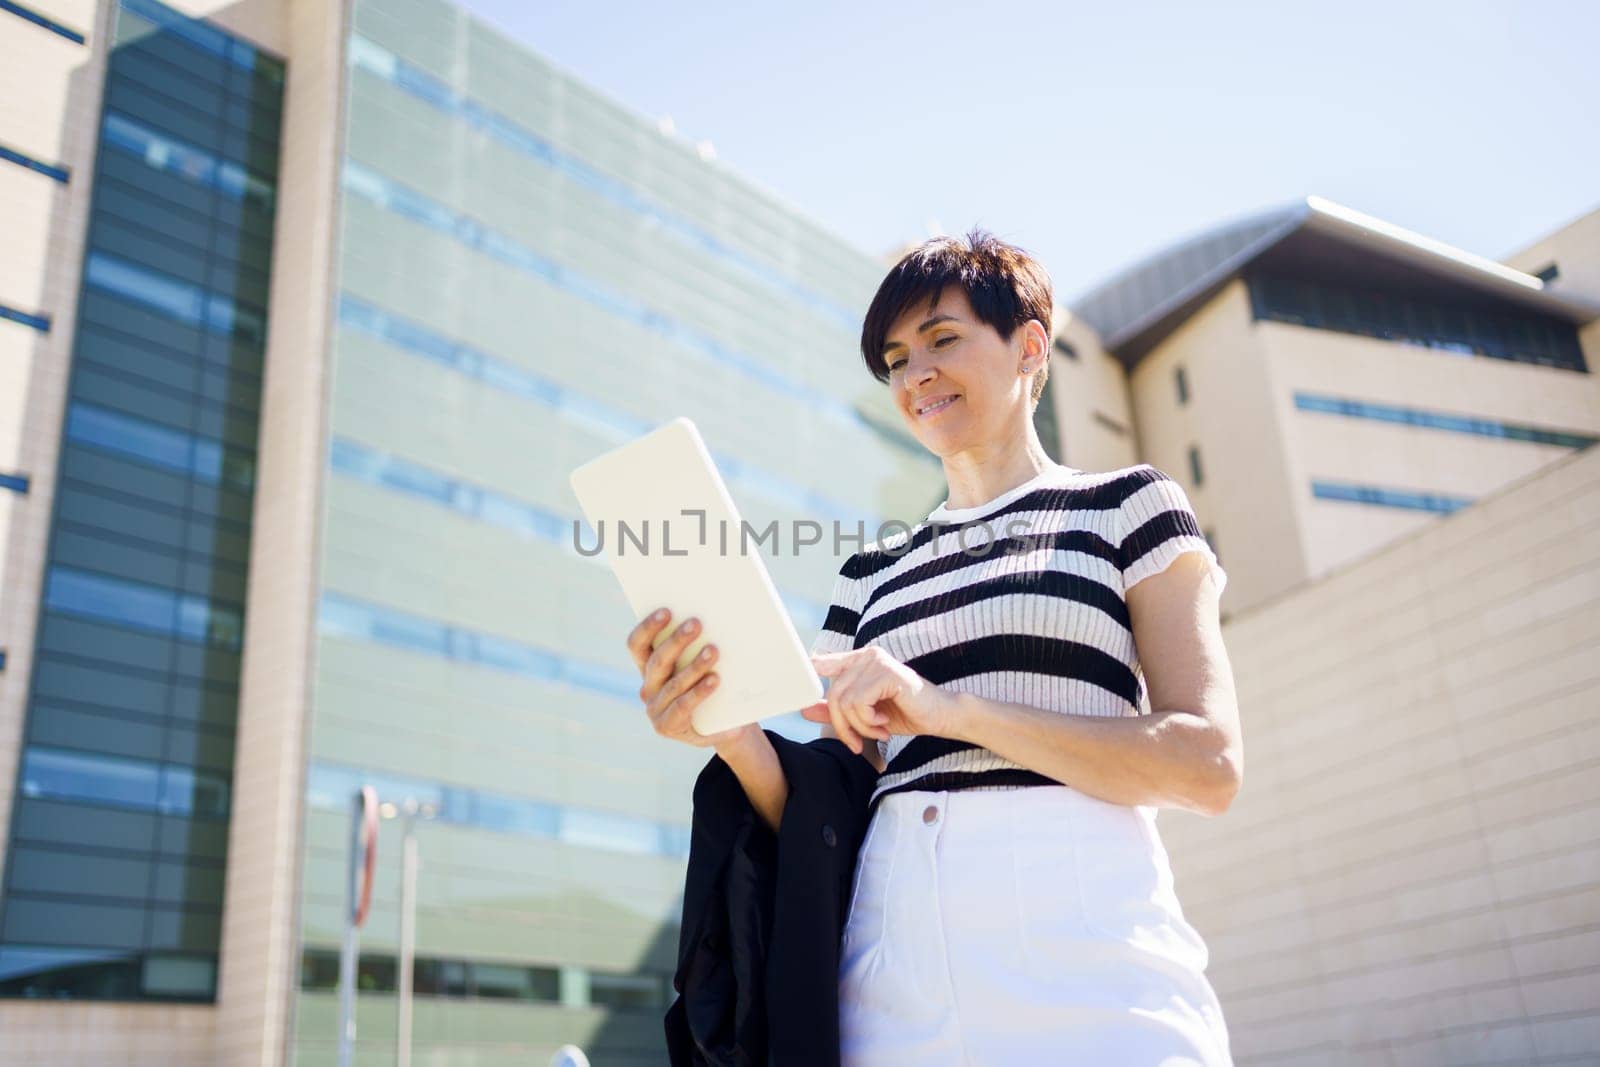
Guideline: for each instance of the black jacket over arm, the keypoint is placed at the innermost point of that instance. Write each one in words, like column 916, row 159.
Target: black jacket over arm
column 758, row 951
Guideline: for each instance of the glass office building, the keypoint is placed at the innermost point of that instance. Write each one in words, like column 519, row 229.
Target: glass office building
column 117, row 846
column 527, row 276
column 521, row 275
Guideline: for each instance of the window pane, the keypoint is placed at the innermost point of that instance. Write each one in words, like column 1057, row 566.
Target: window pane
column 376, row 974
column 50, row 920
column 62, row 823
column 626, row 992
column 319, row 969
column 49, row 871
column 57, row 972
column 52, row 774
column 179, row 976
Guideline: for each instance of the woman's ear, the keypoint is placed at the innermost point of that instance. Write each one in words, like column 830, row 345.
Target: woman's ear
column 1035, row 346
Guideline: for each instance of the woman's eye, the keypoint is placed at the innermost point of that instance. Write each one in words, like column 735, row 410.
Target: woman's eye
column 896, row 365
column 942, row 340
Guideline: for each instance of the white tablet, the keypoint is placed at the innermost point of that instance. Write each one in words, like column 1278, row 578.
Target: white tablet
column 667, row 525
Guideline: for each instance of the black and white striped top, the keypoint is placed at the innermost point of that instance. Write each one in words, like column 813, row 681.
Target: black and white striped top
column 1020, row 599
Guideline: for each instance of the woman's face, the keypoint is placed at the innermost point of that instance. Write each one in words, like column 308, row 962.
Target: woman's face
column 956, row 382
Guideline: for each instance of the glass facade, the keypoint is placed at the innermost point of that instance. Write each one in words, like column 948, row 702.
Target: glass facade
column 1389, row 498
column 529, row 275
column 115, row 860
column 1433, row 420
column 1462, row 329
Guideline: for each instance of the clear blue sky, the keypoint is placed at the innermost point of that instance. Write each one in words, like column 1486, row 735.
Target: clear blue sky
column 1094, row 133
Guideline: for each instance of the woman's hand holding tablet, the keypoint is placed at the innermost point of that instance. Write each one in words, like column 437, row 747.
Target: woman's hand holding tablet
column 671, row 693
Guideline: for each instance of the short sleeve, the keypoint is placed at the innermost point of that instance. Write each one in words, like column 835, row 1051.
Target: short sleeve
column 838, row 633
column 1158, row 525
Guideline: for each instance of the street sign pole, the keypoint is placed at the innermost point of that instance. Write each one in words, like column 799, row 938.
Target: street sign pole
column 358, row 897
column 408, row 931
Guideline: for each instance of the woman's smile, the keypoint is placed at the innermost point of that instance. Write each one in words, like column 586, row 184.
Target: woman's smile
column 926, row 409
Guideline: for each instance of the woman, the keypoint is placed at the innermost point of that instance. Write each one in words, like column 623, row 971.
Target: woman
column 1013, row 901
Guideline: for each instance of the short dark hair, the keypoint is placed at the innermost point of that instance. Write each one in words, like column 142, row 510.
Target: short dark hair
column 1005, row 285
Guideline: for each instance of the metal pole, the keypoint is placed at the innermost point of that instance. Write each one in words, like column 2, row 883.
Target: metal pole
column 347, row 950
column 408, row 931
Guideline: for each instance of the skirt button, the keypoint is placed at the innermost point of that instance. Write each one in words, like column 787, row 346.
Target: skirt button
column 930, row 815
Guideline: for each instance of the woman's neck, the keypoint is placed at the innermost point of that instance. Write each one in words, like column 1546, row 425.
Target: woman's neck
column 977, row 477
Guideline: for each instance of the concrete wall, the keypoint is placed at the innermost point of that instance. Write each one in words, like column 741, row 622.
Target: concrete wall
column 1248, row 498
column 260, row 954
column 1345, row 449
column 1574, row 249
column 1093, row 408
column 1411, row 873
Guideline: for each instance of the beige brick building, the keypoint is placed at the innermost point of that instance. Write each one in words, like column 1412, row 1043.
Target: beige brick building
column 1323, row 383
column 1411, row 873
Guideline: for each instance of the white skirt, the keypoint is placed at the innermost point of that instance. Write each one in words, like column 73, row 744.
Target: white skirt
column 1033, row 926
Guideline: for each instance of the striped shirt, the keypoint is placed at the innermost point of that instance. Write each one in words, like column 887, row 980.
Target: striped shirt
column 1020, row 599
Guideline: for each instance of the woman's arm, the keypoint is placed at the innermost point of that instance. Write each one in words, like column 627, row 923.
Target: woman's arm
column 754, row 762
column 1191, row 756
column 1187, row 754
column 671, row 695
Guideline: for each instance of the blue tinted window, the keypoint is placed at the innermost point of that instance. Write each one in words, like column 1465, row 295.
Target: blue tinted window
column 392, row 196
column 240, row 53
column 1411, row 320
column 377, row 60
column 332, row 787
column 115, row 432
column 165, row 153
column 142, row 607
column 602, row 419
column 11, row 7
column 61, row 775
column 48, row 169
column 52, row 972
column 1391, row 498
column 392, row 472
column 1437, row 421
column 510, row 816
column 186, row 791
column 344, row 617
column 188, row 304
column 159, row 445
column 617, row 833
column 511, row 656
column 37, row 322
column 406, row 631
column 182, row 302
